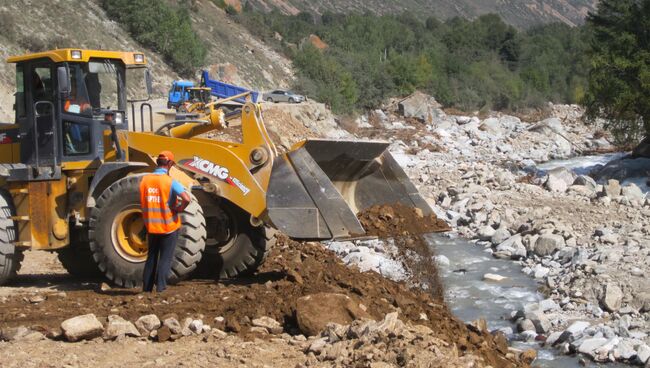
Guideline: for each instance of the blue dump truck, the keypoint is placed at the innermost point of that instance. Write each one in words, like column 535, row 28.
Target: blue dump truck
column 179, row 93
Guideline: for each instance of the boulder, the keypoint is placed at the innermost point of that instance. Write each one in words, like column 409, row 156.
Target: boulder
column 118, row 326
column 514, row 245
column 642, row 149
column 500, row 235
column 612, row 297
column 643, row 353
column 611, row 189
column 486, row 232
column 420, row 106
column 548, row 127
column 624, row 168
column 525, row 325
column 589, row 346
column 148, row 323
column 547, row 244
column 82, row 327
column 315, row 311
column 586, row 181
column 641, row 301
column 492, row 126
column 173, row 325
column 632, row 192
column 559, row 179
column 271, row 325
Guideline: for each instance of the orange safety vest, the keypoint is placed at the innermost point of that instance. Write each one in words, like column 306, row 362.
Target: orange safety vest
column 154, row 199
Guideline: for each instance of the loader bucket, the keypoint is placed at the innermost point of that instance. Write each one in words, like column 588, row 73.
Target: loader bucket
column 316, row 191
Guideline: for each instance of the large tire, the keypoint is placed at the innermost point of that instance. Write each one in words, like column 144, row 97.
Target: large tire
column 125, row 269
column 244, row 250
column 77, row 258
column 10, row 257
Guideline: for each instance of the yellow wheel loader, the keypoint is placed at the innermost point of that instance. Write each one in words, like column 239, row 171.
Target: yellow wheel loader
column 70, row 167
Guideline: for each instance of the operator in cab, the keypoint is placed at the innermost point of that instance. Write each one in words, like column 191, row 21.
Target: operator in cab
column 162, row 199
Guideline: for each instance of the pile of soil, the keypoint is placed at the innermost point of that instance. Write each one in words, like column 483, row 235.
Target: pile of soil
column 387, row 221
column 407, row 226
column 292, row 270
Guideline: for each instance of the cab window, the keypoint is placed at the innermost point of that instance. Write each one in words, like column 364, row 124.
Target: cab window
column 20, row 106
column 42, row 83
column 76, row 139
column 78, row 101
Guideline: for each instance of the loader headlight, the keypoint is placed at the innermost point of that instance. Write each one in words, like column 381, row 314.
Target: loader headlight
column 139, row 58
column 75, row 54
column 119, row 118
column 114, row 118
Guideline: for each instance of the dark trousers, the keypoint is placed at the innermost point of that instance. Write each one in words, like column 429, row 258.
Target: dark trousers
column 159, row 260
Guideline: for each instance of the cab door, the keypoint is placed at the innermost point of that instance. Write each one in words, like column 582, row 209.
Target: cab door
column 37, row 124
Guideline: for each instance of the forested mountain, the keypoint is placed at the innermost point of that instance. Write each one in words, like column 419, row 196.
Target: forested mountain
column 520, row 13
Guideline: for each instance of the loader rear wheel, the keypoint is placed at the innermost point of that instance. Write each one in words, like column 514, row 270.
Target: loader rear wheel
column 10, row 257
column 77, row 258
column 118, row 237
column 241, row 251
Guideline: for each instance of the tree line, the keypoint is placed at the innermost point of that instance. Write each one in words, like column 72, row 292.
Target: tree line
column 469, row 64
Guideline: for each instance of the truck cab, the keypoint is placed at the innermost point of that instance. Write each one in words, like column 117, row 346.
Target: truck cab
column 179, row 93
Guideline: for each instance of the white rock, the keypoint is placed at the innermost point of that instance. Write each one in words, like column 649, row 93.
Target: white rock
column 643, row 353
column 486, row 232
column 148, row 323
column 613, row 297
column 632, row 192
column 588, row 346
column 493, row 277
column 118, row 326
column 196, row 326
column 269, row 323
column 577, row 327
column 500, row 235
column 442, row 261
column 82, row 327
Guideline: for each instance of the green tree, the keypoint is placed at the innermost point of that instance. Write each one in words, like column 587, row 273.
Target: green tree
column 163, row 28
column 619, row 77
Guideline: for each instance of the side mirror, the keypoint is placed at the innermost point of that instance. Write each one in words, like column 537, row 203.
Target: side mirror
column 63, row 79
column 148, row 81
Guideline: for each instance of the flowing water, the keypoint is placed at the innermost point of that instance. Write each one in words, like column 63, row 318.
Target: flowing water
column 582, row 165
column 470, row 297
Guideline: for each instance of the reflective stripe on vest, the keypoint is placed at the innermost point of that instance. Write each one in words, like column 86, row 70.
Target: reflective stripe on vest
column 154, row 199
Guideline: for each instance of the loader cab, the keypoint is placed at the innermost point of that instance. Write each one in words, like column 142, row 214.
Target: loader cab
column 199, row 95
column 62, row 103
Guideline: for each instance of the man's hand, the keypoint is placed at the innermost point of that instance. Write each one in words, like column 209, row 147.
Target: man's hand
column 184, row 202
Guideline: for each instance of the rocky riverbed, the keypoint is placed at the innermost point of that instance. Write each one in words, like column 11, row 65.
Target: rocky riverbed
column 586, row 242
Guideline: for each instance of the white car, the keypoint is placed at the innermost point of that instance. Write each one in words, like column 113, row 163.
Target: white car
column 283, row 96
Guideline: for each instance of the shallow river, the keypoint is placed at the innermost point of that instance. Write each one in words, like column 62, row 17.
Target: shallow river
column 470, row 297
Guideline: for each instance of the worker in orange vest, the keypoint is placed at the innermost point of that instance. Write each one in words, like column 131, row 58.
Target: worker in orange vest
column 162, row 199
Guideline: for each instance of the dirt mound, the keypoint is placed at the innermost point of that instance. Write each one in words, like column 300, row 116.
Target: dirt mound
column 292, row 271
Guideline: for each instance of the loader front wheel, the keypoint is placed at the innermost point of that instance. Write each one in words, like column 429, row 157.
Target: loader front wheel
column 241, row 248
column 118, row 238
column 10, row 257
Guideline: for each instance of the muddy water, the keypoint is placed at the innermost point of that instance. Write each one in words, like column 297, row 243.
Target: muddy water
column 470, row 297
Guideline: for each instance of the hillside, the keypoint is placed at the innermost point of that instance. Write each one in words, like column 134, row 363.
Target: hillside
column 520, row 13
column 233, row 54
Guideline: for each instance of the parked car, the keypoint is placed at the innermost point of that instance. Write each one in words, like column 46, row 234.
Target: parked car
column 283, row 96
